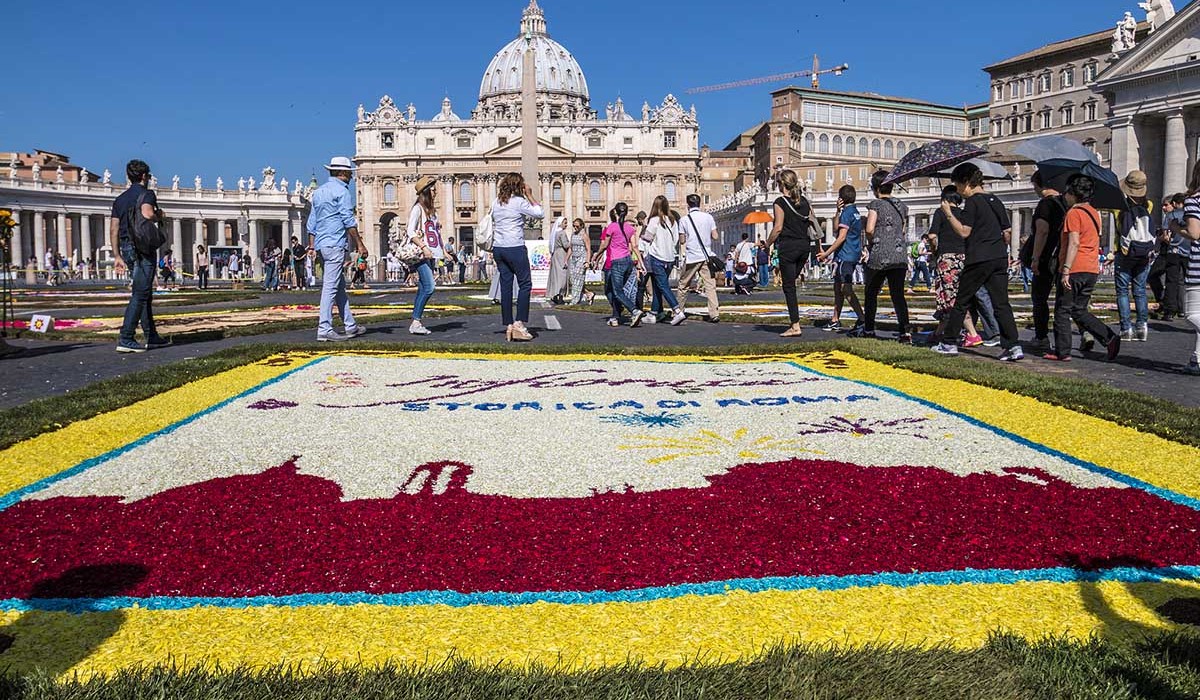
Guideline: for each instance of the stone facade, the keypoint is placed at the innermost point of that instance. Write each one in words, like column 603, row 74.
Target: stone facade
column 587, row 161
column 74, row 218
column 1154, row 93
column 1048, row 91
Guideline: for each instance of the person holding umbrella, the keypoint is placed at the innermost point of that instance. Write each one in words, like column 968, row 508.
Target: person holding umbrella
column 985, row 225
column 887, row 257
column 1079, row 267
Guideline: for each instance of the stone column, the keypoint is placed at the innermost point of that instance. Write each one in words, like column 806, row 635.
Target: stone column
column 60, row 231
column 829, row 235
column 912, row 228
column 255, row 246
column 1014, row 242
column 17, row 250
column 85, row 243
column 568, row 200
column 198, row 237
column 177, row 241
column 447, row 215
column 549, row 205
column 611, row 181
column 39, row 238
column 1175, row 155
column 1125, row 148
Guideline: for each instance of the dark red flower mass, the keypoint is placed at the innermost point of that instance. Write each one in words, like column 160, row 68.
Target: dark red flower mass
column 280, row 533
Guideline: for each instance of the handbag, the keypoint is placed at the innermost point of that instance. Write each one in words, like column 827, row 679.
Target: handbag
column 409, row 251
column 485, row 233
column 716, row 266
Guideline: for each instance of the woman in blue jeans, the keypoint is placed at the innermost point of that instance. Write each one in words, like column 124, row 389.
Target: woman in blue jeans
column 661, row 255
column 513, row 205
column 1131, row 268
column 426, row 232
column 619, row 244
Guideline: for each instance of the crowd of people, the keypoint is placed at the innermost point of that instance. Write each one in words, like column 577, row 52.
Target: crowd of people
column 652, row 262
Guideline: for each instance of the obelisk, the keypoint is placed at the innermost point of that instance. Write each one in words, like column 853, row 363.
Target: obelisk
column 529, row 113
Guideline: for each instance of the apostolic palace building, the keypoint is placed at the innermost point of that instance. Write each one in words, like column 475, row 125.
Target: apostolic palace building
column 587, row 160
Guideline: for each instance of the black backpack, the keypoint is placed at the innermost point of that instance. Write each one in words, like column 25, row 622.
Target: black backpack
column 146, row 235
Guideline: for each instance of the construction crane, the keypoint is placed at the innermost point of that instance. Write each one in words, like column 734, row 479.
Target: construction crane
column 815, row 74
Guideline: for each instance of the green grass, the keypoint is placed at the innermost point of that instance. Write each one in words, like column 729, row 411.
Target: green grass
column 1146, row 413
column 1006, row 668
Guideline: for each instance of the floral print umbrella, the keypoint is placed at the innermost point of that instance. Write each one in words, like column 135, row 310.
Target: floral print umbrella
column 933, row 158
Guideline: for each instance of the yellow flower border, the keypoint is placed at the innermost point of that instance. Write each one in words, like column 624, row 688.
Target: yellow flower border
column 736, row 625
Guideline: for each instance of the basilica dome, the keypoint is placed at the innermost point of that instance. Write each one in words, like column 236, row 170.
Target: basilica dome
column 559, row 77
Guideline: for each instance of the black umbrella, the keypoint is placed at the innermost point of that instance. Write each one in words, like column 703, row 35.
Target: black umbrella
column 932, row 158
column 1109, row 195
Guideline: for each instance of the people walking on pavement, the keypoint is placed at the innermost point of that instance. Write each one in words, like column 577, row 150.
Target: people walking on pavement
column 846, row 251
column 335, row 233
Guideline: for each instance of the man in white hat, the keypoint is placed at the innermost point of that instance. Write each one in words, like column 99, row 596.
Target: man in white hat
column 334, row 229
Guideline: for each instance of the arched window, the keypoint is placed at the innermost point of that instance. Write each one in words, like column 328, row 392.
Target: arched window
column 851, row 146
column 901, row 149
column 594, row 191
column 556, row 192
column 824, row 143
column 837, row 145
column 889, row 149
column 810, row 143
column 863, row 147
column 627, row 191
column 876, row 149
column 466, row 192
column 670, row 191
column 389, row 193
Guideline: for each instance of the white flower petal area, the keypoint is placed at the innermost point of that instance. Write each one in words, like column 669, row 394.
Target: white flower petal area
column 554, row 428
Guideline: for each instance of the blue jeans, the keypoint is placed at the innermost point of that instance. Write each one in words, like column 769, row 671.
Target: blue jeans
column 764, row 275
column 989, row 327
column 1132, row 273
column 513, row 264
column 141, row 306
column 920, row 270
column 333, row 291
column 664, row 298
column 425, row 288
column 270, row 276
column 619, row 274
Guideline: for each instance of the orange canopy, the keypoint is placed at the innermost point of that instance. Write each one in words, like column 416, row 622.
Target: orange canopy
column 758, row 217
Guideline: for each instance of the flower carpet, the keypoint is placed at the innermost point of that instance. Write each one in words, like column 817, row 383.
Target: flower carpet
column 373, row 507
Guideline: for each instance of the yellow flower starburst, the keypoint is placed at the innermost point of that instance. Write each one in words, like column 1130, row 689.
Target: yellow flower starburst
column 707, row 443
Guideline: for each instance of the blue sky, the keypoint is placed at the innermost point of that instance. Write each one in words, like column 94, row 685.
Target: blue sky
column 225, row 88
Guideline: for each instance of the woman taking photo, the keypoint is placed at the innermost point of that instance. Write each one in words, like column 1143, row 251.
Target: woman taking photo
column 201, row 267
column 662, row 252
column 581, row 253
column 618, row 245
column 983, row 224
column 513, row 205
column 425, row 231
column 793, row 217
column 887, row 257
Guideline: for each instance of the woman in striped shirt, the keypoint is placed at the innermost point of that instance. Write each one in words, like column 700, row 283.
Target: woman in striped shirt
column 1190, row 228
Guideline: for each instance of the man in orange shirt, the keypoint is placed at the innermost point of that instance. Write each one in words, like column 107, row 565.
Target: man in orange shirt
column 1079, row 266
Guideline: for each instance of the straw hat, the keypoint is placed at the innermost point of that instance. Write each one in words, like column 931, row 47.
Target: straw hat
column 425, row 183
column 1134, row 184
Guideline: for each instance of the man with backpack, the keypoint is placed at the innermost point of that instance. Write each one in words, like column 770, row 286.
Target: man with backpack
column 136, row 236
column 1134, row 250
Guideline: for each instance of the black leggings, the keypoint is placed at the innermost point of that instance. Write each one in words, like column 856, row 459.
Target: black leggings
column 993, row 276
column 792, row 256
column 895, row 278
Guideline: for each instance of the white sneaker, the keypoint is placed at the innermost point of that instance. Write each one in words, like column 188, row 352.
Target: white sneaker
column 1013, row 354
column 359, row 330
column 638, row 317
column 1142, row 334
column 944, row 349
column 677, row 318
column 649, row 319
column 418, row 329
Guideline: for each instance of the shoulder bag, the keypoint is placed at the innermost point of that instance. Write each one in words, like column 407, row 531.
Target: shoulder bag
column 485, row 233
column 409, row 252
column 716, row 266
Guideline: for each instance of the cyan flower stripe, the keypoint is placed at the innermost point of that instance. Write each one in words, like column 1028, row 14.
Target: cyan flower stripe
column 1165, row 494
column 462, row 600
column 15, row 497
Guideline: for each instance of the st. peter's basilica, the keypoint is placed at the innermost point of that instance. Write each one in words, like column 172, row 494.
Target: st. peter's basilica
column 587, row 161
